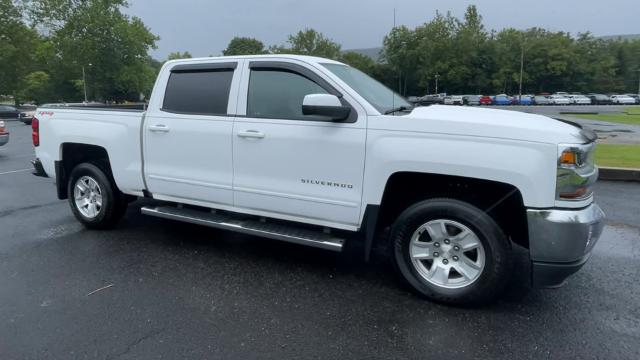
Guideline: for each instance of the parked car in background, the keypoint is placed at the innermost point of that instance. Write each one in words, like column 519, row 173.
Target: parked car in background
column 524, row 100
column 9, row 112
column 561, row 93
column 432, row 99
column 622, row 100
column 599, row 99
column 26, row 115
column 486, row 100
column 541, row 100
column 501, row 99
column 413, row 99
column 579, row 100
column 559, row 100
column 471, row 99
column 453, row 100
column 4, row 134
column 636, row 97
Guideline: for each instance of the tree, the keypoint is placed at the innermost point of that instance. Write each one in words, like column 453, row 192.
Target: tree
column 178, row 55
column 244, row 46
column 399, row 52
column 96, row 35
column 18, row 43
column 310, row 42
column 358, row 61
column 436, row 54
column 473, row 62
column 37, row 87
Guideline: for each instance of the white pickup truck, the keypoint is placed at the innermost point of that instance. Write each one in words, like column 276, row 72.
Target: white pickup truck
column 312, row 151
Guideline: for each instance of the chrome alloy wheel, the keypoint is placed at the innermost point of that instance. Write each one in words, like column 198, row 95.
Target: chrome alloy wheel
column 88, row 197
column 447, row 253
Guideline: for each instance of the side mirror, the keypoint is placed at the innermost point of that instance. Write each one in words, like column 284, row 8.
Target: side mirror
column 326, row 105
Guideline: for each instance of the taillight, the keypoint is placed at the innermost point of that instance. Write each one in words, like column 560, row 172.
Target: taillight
column 35, row 132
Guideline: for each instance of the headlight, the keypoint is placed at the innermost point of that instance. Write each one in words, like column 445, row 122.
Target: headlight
column 576, row 171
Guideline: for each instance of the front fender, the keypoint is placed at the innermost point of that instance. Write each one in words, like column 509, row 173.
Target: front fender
column 529, row 166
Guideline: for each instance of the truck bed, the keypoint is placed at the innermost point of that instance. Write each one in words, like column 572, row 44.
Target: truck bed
column 115, row 130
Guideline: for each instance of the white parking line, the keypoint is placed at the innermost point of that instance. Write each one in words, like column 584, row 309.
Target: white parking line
column 14, row 171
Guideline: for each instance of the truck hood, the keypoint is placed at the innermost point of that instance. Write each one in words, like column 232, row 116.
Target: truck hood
column 491, row 123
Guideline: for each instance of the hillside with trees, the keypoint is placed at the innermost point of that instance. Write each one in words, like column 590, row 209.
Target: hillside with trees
column 52, row 50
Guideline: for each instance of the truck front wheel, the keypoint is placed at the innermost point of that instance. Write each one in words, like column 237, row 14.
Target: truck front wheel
column 451, row 252
column 94, row 198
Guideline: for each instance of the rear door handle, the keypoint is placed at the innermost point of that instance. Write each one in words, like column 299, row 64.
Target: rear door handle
column 159, row 128
column 255, row 134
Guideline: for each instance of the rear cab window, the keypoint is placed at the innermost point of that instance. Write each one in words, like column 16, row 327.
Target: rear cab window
column 199, row 89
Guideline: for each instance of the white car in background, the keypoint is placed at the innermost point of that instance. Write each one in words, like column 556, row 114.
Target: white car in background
column 454, row 100
column 559, row 100
column 579, row 100
column 622, row 100
column 26, row 116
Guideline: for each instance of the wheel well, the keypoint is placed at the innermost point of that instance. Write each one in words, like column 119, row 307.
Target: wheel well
column 503, row 202
column 74, row 154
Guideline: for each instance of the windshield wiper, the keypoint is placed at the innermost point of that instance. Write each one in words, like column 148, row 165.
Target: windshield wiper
column 397, row 109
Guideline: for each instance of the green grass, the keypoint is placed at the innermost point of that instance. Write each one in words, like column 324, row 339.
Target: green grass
column 631, row 117
column 614, row 155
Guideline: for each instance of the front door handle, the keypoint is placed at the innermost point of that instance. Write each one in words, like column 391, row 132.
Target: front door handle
column 159, row 128
column 255, row 134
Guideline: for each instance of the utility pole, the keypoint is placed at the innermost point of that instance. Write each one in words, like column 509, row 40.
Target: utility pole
column 638, row 81
column 84, row 84
column 394, row 18
column 437, row 76
column 521, row 69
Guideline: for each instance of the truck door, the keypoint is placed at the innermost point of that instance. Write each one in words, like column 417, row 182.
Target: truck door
column 187, row 139
column 291, row 164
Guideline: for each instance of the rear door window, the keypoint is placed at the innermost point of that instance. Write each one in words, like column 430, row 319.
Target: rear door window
column 198, row 90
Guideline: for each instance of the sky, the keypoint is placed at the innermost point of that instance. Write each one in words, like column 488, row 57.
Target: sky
column 205, row 27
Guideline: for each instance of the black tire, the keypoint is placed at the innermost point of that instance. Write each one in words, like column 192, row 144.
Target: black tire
column 114, row 204
column 497, row 248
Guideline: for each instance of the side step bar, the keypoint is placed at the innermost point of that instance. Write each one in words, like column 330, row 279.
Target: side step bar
column 274, row 231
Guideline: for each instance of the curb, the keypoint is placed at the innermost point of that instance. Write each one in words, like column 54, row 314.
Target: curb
column 619, row 174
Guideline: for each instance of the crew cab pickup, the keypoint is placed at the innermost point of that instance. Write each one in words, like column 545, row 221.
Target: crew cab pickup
column 315, row 152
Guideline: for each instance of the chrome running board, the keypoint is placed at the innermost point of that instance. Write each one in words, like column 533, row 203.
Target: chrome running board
column 276, row 231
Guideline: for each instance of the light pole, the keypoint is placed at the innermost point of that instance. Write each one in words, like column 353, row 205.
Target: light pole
column 84, row 84
column 521, row 68
column 437, row 76
column 638, row 81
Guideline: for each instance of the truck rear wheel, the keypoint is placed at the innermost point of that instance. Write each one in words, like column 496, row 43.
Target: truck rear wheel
column 94, row 198
column 451, row 252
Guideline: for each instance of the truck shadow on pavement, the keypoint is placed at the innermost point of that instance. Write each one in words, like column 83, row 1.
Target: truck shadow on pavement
column 346, row 270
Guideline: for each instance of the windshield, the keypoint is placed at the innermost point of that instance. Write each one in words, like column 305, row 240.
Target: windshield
column 378, row 95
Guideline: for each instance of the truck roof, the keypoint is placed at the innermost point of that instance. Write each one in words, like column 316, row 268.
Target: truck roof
column 305, row 58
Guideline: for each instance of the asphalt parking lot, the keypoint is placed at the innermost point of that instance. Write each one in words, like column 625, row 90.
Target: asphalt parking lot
column 172, row 290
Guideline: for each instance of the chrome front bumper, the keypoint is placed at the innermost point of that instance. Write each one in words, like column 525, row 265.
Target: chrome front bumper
column 560, row 242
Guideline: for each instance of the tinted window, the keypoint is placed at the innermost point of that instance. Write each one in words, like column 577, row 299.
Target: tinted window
column 278, row 94
column 198, row 92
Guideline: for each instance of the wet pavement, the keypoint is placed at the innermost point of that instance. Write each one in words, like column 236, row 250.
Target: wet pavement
column 157, row 289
